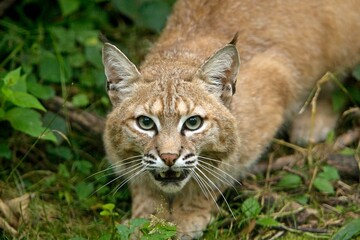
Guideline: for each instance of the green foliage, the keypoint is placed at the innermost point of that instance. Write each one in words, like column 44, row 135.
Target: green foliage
column 290, row 181
column 154, row 229
column 108, row 210
column 250, row 208
column 267, row 222
column 142, row 12
column 18, row 107
column 323, row 181
column 349, row 231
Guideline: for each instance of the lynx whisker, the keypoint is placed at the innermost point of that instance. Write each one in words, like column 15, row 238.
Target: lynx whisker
column 208, row 188
column 218, row 176
column 222, row 171
column 120, row 164
column 128, row 180
column 200, row 183
column 134, row 168
column 215, row 160
column 216, row 187
column 119, row 171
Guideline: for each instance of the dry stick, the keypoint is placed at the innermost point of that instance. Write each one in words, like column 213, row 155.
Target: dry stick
column 79, row 119
column 346, row 139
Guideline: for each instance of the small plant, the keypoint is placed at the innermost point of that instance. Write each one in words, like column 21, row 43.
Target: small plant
column 349, row 231
column 323, row 181
column 18, row 106
column 153, row 229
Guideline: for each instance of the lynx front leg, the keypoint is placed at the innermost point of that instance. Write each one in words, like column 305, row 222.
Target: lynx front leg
column 191, row 215
column 146, row 201
column 190, row 212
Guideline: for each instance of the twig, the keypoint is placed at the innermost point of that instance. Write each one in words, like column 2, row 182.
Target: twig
column 79, row 119
column 346, row 139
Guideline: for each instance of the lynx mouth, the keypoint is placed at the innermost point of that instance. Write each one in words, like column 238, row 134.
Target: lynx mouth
column 171, row 176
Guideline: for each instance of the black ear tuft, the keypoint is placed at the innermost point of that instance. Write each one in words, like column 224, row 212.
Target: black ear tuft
column 235, row 38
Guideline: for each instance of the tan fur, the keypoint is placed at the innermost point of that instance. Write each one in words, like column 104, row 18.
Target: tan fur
column 284, row 47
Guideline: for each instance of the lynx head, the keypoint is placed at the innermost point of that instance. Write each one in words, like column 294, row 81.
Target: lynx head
column 170, row 125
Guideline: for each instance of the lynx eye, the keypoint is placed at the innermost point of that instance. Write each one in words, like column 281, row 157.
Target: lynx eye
column 193, row 123
column 145, row 123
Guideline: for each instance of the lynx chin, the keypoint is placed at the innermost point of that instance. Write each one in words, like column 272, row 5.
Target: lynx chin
column 204, row 104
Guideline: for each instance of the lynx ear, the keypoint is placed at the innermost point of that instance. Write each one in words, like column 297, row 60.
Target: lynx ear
column 219, row 73
column 120, row 72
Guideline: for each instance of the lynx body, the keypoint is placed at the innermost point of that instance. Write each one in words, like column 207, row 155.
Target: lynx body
column 201, row 109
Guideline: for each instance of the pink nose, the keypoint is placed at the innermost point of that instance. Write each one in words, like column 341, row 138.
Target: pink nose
column 169, row 158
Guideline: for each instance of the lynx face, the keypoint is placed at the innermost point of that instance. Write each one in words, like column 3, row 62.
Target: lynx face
column 169, row 129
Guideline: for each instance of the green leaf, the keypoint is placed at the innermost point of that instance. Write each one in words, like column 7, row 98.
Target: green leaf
column 109, row 206
column 128, row 7
column 350, row 230
column 65, row 39
column 137, row 222
column 80, row 100
column 76, row 60
column 83, row 190
column 251, row 208
column 303, row 199
column 339, row 100
column 105, row 213
column 26, row 100
column 41, row 91
column 5, row 151
column 69, row 6
column 268, row 222
column 14, row 81
column 323, row 185
column 106, row 237
column 329, row 173
column 354, row 91
column 142, row 12
column 29, row 122
column 348, row 152
column 83, row 166
column 152, row 21
column 49, row 68
column 56, row 123
column 12, row 77
column 123, row 231
column 290, row 181
column 93, row 55
column 63, row 171
column 88, row 38
column 60, row 151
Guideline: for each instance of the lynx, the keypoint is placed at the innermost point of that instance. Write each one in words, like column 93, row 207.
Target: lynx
column 204, row 104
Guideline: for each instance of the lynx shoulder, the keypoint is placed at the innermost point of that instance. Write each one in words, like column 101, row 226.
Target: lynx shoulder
column 202, row 108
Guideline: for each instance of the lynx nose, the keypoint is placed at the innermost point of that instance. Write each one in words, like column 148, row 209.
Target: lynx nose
column 169, row 158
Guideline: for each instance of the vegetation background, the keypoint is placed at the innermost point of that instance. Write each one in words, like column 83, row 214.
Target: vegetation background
column 54, row 180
